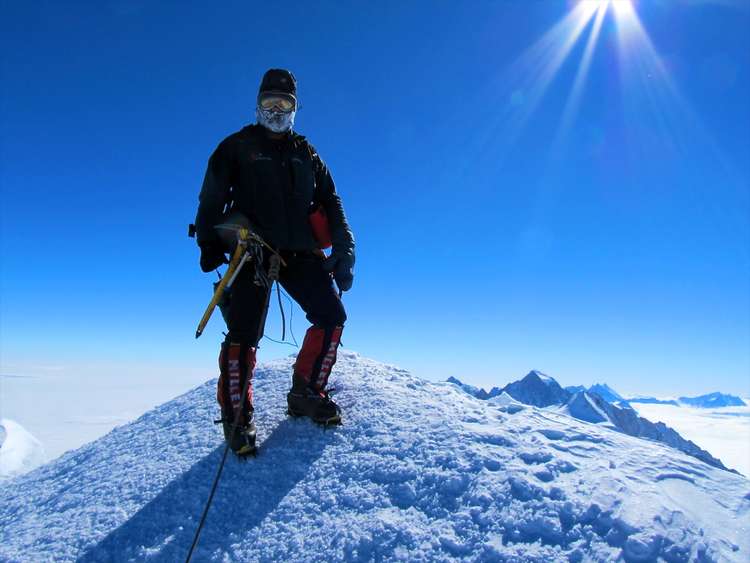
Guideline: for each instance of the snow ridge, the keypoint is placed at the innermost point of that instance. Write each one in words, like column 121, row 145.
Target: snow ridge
column 594, row 407
column 419, row 472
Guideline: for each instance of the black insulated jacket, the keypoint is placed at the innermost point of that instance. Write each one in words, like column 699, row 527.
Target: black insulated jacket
column 275, row 184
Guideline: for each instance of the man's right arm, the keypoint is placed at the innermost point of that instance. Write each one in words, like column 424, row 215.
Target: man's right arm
column 214, row 195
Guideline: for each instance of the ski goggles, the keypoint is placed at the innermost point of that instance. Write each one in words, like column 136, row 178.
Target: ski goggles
column 283, row 102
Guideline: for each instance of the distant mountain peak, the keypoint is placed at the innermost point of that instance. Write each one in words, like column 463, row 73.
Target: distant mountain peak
column 538, row 389
column 606, row 392
column 542, row 376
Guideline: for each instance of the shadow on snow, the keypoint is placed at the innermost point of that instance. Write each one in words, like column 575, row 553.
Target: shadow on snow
column 248, row 492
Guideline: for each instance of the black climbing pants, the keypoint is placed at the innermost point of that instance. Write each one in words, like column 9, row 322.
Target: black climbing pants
column 303, row 278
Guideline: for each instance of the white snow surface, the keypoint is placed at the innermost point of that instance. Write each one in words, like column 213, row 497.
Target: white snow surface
column 19, row 450
column 503, row 399
column 419, row 471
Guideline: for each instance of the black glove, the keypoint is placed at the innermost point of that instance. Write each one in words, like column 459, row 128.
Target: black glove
column 341, row 264
column 212, row 256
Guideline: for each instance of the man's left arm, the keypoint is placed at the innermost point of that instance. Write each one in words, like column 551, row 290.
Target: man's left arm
column 341, row 261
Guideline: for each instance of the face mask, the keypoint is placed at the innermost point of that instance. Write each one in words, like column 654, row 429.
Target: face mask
column 276, row 121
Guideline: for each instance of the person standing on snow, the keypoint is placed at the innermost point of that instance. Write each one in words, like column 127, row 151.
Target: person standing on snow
column 275, row 178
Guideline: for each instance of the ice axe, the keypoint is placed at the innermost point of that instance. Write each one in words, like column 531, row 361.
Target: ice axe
column 244, row 238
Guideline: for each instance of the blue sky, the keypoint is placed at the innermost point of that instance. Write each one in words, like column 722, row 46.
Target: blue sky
column 500, row 227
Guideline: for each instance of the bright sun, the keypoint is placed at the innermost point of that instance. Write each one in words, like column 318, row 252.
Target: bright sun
column 538, row 66
column 626, row 48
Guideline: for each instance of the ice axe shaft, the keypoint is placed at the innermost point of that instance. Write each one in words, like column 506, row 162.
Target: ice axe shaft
column 238, row 260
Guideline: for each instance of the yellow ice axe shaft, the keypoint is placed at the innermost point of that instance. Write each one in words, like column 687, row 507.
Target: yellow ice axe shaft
column 237, row 257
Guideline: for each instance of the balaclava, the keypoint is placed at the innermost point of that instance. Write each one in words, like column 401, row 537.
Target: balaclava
column 277, row 81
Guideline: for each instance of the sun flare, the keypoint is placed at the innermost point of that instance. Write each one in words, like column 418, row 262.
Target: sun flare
column 532, row 74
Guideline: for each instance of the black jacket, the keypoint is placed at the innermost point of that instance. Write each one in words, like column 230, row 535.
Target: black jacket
column 274, row 183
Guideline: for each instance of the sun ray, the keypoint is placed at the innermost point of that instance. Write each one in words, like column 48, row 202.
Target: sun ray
column 658, row 110
column 667, row 109
column 574, row 99
column 539, row 65
column 525, row 82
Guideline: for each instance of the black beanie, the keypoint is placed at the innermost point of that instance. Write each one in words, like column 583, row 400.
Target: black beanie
column 278, row 81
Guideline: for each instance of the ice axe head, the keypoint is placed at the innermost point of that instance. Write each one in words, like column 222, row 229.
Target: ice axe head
column 230, row 230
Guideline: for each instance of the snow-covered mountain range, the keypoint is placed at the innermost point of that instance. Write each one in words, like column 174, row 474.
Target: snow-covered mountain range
column 708, row 401
column 419, row 471
column 604, row 391
column 712, row 401
column 654, row 401
column 599, row 404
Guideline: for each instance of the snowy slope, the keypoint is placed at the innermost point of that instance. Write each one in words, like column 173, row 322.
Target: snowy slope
column 583, row 407
column 419, row 472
